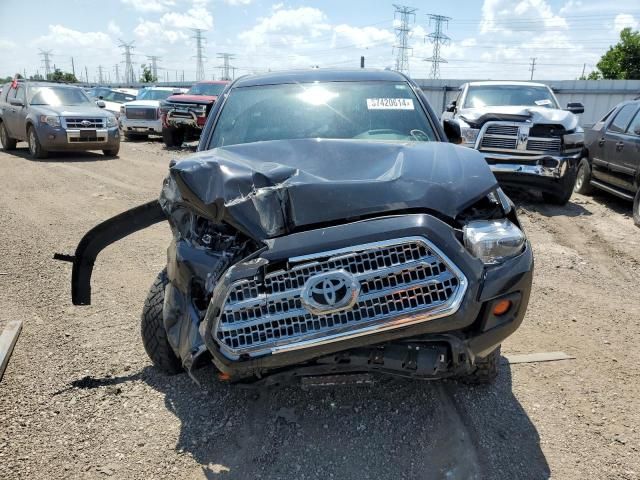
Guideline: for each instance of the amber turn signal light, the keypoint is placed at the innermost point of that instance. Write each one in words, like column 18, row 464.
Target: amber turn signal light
column 502, row 307
column 224, row 377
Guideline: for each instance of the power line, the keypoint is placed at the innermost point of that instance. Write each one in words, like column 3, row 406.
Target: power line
column 226, row 66
column 46, row 54
column 406, row 14
column 129, row 76
column 199, row 56
column 438, row 39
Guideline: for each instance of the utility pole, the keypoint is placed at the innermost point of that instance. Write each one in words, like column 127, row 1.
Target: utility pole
column 129, row 76
column 362, row 62
column 584, row 67
column 73, row 67
column 117, row 73
column 438, row 39
column 532, row 68
column 100, row 79
column 403, row 30
column 200, row 40
column 86, row 73
column 154, row 66
column 46, row 54
column 226, row 66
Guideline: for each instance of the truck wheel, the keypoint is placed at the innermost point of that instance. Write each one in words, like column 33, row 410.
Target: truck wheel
column 135, row 136
column 112, row 152
column 173, row 137
column 486, row 369
column 35, row 149
column 568, row 184
column 154, row 335
column 6, row 141
column 636, row 208
column 583, row 178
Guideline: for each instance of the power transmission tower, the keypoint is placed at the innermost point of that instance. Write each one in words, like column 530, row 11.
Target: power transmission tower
column 532, row 68
column 100, row 77
column 199, row 56
column 117, row 73
column 129, row 76
column 226, row 66
column 47, row 62
column 154, row 66
column 73, row 67
column 403, row 30
column 438, row 39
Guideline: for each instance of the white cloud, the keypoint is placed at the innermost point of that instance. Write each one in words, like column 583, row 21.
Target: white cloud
column 114, row 29
column 63, row 36
column 624, row 20
column 500, row 16
column 147, row 6
column 198, row 16
column 6, row 44
column 235, row 3
column 154, row 33
column 362, row 37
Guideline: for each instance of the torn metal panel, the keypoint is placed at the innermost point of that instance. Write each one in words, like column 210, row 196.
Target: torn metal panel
column 268, row 189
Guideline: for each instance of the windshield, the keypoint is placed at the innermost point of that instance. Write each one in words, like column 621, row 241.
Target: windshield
column 210, row 89
column 479, row 96
column 154, row 94
column 57, row 96
column 343, row 110
column 118, row 97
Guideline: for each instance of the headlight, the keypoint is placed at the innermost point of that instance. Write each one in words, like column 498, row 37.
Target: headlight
column 111, row 122
column 51, row 120
column 493, row 241
column 469, row 135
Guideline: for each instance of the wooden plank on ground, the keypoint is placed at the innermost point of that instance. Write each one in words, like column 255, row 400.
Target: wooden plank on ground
column 538, row 357
column 8, row 340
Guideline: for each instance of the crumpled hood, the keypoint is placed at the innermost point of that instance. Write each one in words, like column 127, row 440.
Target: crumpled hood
column 268, row 189
column 519, row 114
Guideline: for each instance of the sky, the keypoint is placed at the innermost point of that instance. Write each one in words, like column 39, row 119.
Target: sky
column 489, row 39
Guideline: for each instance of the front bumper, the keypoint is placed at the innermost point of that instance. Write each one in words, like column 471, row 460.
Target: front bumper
column 60, row 139
column 549, row 173
column 141, row 126
column 185, row 118
column 450, row 342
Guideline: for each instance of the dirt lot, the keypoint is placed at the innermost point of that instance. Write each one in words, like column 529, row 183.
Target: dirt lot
column 80, row 399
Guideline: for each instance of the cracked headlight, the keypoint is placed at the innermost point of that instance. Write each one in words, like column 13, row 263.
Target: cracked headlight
column 493, row 241
column 469, row 135
column 50, row 120
column 111, row 122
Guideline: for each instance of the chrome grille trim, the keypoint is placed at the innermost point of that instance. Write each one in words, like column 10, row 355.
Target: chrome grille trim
column 76, row 123
column 141, row 113
column 506, row 137
column 403, row 282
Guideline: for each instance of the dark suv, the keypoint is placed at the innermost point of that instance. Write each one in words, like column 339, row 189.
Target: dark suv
column 55, row 117
column 612, row 161
column 328, row 227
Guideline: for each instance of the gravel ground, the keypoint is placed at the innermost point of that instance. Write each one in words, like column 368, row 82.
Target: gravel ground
column 80, row 399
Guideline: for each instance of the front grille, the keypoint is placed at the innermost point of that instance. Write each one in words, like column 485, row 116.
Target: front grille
column 141, row 113
column 406, row 280
column 85, row 139
column 498, row 142
column 79, row 123
column 521, row 138
column 544, row 145
column 498, row 129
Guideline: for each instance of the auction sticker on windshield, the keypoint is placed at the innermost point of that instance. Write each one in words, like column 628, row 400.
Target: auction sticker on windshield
column 389, row 104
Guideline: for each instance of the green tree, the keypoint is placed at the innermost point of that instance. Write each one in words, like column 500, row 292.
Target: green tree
column 60, row 76
column 147, row 75
column 622, row 61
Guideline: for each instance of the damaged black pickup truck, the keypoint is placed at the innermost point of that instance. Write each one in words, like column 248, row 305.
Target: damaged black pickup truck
column 328, row 229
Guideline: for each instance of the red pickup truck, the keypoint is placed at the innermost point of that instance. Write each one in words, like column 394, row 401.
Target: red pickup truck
column 183, row 116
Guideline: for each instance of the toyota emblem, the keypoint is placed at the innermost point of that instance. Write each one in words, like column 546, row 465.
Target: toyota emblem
column 330, row 292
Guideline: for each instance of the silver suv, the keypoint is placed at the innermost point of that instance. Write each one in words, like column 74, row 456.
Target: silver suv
column 55, row 117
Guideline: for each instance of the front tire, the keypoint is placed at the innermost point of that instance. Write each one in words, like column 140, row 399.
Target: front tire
column 583, row 178
column 112, row 152
column 6, row 141
column 636, row 208
column 486, row 369
column 35, row 148
column 567, row 184
column 173, row 137
column 154, row 335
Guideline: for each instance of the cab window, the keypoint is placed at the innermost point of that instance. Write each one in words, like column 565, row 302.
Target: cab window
column 622, row 119
column 634, row 126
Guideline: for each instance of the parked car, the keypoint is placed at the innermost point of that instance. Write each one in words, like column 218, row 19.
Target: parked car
column 55, row 117
column 327, row 227
column 141, row 117
column 97, row 92
column 184, row 116
column 115, row 97
column 612, row 156
column 528, row 141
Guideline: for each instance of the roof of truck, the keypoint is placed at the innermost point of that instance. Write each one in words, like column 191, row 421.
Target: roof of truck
column 319, row 75
column 507, row 82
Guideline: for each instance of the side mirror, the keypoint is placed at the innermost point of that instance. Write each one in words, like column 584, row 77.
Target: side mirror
column 452, row 131
column 101, row 104
column 452, row 106
column 100, row 97
column 575, row 107
column 16, row 102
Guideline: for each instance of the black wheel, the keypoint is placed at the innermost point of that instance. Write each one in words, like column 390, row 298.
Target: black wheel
column 486, row 369
column 567, row 183
column 154, row 335
column 173, row 137
column 6, row 141
column 583, row 178
column 35, row 149
column 112, row 152
column 636, row 208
